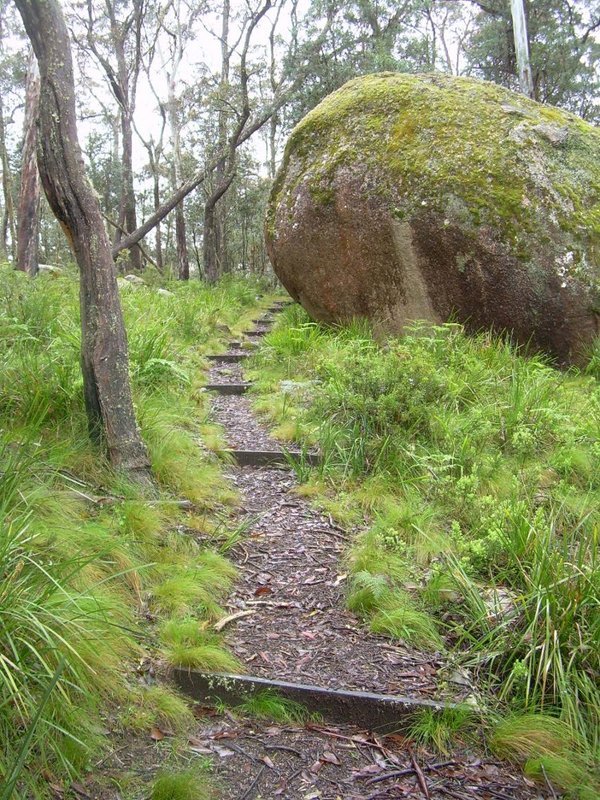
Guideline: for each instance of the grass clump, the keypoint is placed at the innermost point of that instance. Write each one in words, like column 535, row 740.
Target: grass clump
column 441, row 729
column 183, row 785
column 188, row 644
column 268, row 704
column 549, row 749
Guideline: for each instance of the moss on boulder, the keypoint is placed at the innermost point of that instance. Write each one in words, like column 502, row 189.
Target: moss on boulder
column 423, row 196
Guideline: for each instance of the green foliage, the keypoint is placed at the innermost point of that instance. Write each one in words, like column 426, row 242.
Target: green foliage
column 550, row 749
column 83, row 557
column 184, row 785
column 477, row 469
column 441, row 729
column 270, row 705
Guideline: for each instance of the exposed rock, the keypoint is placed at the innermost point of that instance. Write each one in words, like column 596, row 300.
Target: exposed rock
column 404, row 197
column 165, row 293
column 135, row 280
column 50, row 269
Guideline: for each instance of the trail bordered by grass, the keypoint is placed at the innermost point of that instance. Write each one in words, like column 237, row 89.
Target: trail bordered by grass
column 477, row 469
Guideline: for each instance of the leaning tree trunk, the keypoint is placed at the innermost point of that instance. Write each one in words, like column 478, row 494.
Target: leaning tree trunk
column 104, row 357
column 28, row 217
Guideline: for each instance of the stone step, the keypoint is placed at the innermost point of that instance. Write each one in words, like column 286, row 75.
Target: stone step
column 228, row 388
column 231, row 358
column 381, row 712
column 271, row 458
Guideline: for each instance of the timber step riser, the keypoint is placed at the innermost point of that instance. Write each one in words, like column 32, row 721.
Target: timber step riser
column 228, row 388
column 270, row 458
column 366, row 709
column 230, row 358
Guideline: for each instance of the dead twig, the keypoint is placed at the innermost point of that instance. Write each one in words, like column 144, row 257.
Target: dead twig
column 399, row 773
column 218, row 626
column 420, row 776
column 354, row 740
column 284, row 748
column 248, row 792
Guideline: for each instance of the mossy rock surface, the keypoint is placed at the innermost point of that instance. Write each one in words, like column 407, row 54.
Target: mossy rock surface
column 405, row 197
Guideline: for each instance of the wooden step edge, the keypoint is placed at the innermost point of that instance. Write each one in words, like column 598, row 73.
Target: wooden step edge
column 228, row 388
column 379, row 712
column 270, row 458
column 255, row 333
column 230, row 357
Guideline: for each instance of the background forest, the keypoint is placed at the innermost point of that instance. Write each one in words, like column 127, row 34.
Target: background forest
column 205, row 94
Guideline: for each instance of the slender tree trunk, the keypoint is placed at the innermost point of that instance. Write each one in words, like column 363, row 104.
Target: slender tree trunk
column 158, row 233
column 28, row 220
column 104, row 357
column 183, row 261
column 209, row 246
column 127, row 211
column 8, row 214
column 215, row 259
column 519, row 21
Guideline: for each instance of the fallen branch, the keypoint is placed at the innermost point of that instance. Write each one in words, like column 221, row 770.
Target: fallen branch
column 399, row 773
column 420, row 775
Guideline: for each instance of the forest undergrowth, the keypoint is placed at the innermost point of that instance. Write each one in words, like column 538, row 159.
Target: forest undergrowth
column 101, row 587
column 476, row 468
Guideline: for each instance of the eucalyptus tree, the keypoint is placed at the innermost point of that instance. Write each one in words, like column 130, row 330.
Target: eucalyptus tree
column 104, row 356
column 563, row 44
column 113, row 34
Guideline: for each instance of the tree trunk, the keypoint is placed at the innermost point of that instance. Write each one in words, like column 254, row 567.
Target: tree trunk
column 28, row 219
column 8, row 214
column 158, row 233
column 183, row 261
column 104, row 357
column 127, row 212
column 214, row 213
column 519, row 21
column 209, row 247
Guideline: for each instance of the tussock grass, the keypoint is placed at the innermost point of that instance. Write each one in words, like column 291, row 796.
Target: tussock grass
column 83, row 558
column 183, row 785
column 477, row 468
column 268, row 704
column 441, row 729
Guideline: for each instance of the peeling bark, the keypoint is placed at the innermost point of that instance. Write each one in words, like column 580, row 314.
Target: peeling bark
column 104, row 356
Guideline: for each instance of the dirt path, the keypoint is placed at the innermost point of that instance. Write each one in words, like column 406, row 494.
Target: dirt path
column 292, row 579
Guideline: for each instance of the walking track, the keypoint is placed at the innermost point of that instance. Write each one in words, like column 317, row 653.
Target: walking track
column 296, row 629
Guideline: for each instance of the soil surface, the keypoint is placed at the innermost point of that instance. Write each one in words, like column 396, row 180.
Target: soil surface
column 259, row 760
column 292, row 577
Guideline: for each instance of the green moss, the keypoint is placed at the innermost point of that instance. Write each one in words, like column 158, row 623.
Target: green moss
column 470, row 150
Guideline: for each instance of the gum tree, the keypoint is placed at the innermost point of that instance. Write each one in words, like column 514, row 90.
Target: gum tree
column 104, row 356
